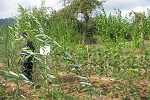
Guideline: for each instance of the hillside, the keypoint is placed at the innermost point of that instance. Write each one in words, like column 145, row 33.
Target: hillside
column 6, row 21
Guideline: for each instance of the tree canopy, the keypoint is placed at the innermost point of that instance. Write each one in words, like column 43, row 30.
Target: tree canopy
column 85, row 8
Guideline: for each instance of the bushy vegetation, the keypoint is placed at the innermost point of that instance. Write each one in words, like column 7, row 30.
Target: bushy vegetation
column 117, row 29
column 72, row 70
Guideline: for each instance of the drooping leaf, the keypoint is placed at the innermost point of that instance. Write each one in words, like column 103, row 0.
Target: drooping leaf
column 57, row 44
column 50, row 76
column 85, row 83
column 67, row 54
column 40, row 40
column 3, row 72
column 75, row 66
column 14, row 74
column 23, row 77
column 40, row 36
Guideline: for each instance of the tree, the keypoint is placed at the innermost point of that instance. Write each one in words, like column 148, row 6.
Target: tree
column 85, row 8
column 139, row 17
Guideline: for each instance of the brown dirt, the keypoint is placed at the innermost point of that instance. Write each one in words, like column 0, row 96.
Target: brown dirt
column 70, row 85
column 1, row 66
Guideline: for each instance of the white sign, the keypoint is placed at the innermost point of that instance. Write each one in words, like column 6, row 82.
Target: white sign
column 44, row 50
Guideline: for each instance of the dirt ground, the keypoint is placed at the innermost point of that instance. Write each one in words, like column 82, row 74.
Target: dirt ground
column 1, row 65
column 69, row 83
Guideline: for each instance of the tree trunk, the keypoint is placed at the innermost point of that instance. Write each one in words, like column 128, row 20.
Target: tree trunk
column 84, row 38
column 142, row 34
column 142, row 40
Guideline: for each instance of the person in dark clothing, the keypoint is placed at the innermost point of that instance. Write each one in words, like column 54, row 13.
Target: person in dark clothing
column 26, row 57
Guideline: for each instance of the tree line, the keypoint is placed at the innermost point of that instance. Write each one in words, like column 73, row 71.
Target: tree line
column 6, row 21
column 75, row 23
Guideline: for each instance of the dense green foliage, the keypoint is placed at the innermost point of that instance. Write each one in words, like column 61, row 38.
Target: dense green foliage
column 115, row 28
column 83, row 8
column 117, row 55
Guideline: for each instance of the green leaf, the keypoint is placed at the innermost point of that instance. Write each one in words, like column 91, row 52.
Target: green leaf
column 75, row 66
column 23, row 96
column 30, row 52
column 55, row 85
column 83, row 78
column 40, row 40
column 50, row 76
column 14, row 74
column 26, row 57
column 38, row 59
column 57, row 44
column 67, row 54
column 23, row 77
column 5, row 72
column 148, row 85
column 44, row 67
column 85, row 83
column 40, row 36
column 113, row 79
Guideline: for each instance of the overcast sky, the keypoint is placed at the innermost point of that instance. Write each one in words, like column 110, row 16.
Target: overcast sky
column 8, row 8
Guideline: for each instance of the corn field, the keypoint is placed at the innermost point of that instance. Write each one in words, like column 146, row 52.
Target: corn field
column 116, row 67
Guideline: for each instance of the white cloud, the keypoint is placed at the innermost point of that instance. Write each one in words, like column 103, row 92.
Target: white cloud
column 8, row 8
column 55, row 4
column 137, row 9
column 126, row 6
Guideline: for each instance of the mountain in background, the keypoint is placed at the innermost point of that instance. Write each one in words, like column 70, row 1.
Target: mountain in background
column 6, row 21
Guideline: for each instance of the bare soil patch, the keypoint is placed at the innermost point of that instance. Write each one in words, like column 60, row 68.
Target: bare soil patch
column 1, row 65
column 69, row 84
